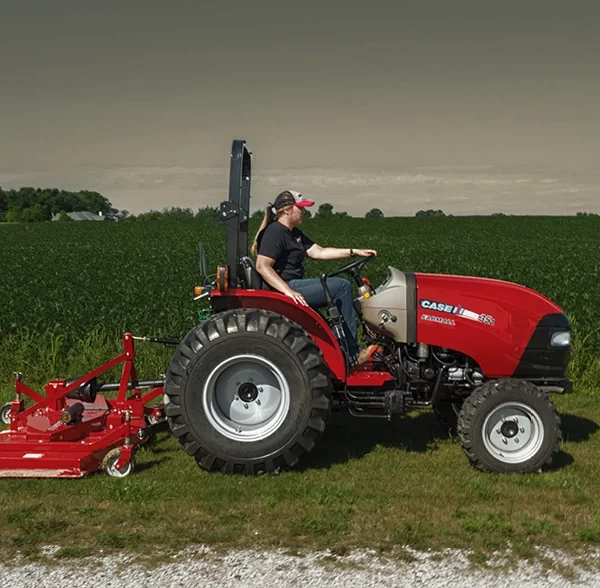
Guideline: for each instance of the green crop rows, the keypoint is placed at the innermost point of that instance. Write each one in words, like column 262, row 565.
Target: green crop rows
column 69, row 280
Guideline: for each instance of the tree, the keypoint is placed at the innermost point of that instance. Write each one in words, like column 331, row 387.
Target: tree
column 208, row 212
column 177, row 212
column 13, row 215
column 63, row 217
column 150, row 216
column 325, row 210
column 429, row 212
column 374, row 213
column 3, row 205
column 33, row 214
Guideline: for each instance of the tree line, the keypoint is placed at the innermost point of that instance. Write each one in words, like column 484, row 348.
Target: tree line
column 324, row 211
column 40, row 204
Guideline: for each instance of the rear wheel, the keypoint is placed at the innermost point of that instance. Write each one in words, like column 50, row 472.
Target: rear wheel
column 248, row 392
column 509, row 426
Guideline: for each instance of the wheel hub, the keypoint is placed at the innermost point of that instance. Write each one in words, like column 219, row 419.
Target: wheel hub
column 246, row 398
column 509, row 429
column 513, row 432
column 248, row 392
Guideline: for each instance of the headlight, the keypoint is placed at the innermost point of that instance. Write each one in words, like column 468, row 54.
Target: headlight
column 561, row 339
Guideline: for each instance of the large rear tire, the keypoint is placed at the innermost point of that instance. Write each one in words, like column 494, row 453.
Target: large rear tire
column 248, row 392
column 509, row 426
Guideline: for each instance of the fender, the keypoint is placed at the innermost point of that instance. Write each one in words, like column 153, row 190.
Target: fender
column 309, row 319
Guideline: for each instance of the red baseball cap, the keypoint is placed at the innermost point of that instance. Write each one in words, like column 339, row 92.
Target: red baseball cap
column 288, row 197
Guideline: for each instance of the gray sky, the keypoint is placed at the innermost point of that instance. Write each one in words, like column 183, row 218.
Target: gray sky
column 469, row 106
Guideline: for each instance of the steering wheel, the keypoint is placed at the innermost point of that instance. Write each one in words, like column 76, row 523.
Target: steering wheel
column 352, row 268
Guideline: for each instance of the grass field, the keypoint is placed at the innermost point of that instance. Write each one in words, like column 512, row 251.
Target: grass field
column 69, row 290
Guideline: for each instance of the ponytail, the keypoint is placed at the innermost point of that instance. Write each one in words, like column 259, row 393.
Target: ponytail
column 270, row 216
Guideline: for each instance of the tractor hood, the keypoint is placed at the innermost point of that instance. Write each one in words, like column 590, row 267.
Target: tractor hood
column 508, row 329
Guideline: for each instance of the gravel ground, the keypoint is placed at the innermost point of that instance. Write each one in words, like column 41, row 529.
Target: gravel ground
column 265, row 569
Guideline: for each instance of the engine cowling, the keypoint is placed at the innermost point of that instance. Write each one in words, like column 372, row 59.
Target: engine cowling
column 508, row 329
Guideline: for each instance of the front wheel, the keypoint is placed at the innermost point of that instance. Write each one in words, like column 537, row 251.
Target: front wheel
column 509, row 426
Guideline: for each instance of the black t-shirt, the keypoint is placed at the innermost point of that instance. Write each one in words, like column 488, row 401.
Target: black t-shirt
column 287, row 248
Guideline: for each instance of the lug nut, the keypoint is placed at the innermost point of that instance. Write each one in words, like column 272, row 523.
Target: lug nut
column 258, row 402
column 504, row 440
column 522, row 430
column 245, row 405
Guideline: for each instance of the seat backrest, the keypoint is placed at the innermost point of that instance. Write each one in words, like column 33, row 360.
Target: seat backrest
column 251, row 278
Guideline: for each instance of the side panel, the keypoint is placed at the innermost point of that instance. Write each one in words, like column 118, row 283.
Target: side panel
column 489, row 320
column 396, row 299
column 310, row 320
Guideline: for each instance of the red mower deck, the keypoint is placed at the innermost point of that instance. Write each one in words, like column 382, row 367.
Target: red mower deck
column 72, row 430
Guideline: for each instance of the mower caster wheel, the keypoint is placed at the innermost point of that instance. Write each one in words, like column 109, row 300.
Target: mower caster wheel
column 109, row 462
column 5, row 413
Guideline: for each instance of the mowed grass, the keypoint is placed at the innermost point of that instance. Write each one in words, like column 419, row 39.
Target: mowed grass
column 369, row 484
column 68, row 293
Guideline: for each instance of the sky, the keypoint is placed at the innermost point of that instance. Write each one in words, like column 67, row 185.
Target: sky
column 471, row 107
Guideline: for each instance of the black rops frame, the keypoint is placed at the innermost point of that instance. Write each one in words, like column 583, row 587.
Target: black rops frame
column 235, row 212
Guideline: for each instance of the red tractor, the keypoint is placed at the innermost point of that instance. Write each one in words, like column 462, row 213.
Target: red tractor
column 251, row 388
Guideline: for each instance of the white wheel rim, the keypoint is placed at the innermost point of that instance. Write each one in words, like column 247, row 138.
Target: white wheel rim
column 513, row 432
column 246, row 398
column 113, row 472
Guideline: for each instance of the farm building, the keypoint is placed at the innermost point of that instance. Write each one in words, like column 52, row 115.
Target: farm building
column 84, row 215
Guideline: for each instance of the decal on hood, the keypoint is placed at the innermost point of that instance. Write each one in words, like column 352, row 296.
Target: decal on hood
column 486, row 319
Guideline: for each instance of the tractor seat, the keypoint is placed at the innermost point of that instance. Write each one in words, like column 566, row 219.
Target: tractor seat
column 251, row 278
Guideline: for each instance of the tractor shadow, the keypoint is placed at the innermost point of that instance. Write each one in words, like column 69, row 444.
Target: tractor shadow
column 149, row 465
column 347, row 437
column 575, row 429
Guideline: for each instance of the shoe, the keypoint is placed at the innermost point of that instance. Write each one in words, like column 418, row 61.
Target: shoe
column 366, row 354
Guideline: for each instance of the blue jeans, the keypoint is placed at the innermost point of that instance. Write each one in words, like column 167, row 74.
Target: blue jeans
column 341, row 292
